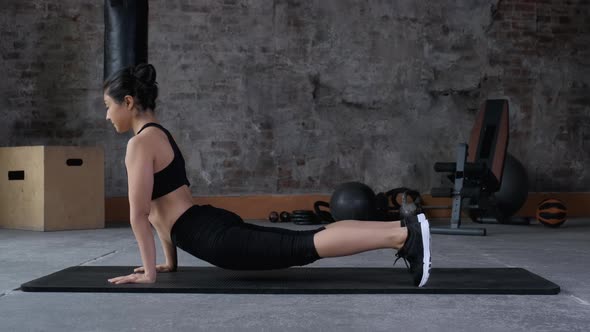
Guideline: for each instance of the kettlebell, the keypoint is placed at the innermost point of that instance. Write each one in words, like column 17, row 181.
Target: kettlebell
column 285, row 216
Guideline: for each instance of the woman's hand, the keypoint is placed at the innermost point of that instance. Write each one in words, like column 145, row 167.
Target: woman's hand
column 159, row 268
column 135, row 278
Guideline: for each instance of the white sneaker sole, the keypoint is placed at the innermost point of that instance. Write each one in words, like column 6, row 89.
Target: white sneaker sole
column 425, row 226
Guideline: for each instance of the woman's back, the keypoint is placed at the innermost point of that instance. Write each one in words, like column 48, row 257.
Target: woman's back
column 167, row 208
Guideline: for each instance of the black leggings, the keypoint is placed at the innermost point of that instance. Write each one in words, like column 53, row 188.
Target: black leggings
column 222, row 238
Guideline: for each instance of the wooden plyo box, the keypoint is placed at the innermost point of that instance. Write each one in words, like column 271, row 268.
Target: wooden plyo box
column 51, row 188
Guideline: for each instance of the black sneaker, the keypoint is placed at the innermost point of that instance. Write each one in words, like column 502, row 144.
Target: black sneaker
column 416, row 250
column 405, row 221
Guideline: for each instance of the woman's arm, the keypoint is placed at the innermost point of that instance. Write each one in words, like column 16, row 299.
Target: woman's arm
column 140, row 175
column 169, row 249
column 170, row 253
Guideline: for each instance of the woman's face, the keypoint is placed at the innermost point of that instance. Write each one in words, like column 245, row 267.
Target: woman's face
column 119, row 114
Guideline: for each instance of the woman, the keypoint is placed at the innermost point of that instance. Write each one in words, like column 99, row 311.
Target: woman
column 159, row 195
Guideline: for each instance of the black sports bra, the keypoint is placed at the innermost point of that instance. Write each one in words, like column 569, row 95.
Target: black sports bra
column 172, row 176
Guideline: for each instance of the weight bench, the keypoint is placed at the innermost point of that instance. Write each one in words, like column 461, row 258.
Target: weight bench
column 477, row 172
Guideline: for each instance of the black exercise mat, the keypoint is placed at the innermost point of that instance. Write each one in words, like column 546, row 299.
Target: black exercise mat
column 299, row 281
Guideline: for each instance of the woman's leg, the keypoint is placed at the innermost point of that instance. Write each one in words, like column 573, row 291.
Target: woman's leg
column 365, row 224
column 350, row 237
column 223, row 239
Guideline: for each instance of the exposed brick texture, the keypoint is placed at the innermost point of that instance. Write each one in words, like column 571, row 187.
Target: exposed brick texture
column 292, row 96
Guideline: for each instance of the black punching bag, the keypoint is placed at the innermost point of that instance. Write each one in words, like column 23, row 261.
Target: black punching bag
column 125, row 34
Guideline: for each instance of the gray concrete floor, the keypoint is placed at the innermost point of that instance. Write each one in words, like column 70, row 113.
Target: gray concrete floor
column 560, row 255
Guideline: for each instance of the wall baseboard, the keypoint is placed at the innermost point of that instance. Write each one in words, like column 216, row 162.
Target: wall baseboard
column 248, row 207
column 252, row 207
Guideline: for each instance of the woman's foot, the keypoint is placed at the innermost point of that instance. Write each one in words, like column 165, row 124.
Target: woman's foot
column 416, row 249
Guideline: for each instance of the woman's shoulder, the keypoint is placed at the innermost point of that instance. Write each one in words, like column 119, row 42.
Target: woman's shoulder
column 148, row 136
column 148, row 141
column 140, row 144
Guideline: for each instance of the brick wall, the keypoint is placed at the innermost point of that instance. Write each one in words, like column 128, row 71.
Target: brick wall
column 298, row 96
column 541, row 48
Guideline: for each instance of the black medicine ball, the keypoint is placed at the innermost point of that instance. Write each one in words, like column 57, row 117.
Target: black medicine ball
column 353, row 201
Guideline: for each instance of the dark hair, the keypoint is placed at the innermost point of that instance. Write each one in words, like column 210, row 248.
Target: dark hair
column 138, row 82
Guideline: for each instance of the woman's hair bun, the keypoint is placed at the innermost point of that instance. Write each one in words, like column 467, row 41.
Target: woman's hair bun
column 146, row 73
column 137, row 81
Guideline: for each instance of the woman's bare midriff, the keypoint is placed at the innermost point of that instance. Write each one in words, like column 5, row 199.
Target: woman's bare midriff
column 165, row 210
